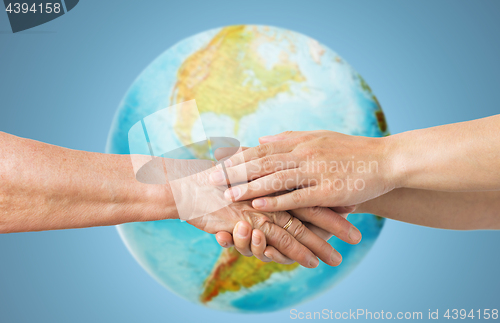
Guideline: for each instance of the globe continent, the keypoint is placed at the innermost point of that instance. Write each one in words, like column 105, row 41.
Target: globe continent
column 248, row 81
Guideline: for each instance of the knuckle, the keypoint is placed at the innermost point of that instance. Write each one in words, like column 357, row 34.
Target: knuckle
column 280, row 176
column 285, row 242
column 263, row 150
column 300, row 231
column 266, row 163
column 309, row 136
column 315, row 211
column 337, row 222
column 263, row 224
column 308, row 152
column 304, row 138
column 328, row 186
column 252, row 187
column 297, row 196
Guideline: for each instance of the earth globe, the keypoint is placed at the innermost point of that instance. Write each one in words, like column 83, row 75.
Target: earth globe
column 248, row 81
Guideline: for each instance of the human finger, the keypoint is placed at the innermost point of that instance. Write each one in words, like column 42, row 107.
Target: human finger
column 279, row 147
column 277, row 256
column 283, row 241
column 330, row 221
column 225, row 239
column 254, row 169
column 344, row 209
column 273, row 183
column 282, row 136
column 258, row 245
column 322, row 249
column 300, row 198
column 323, row 234
column 242, row 237
column 224, row 152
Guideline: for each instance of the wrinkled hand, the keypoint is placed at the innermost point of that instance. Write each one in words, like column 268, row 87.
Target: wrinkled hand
column 301, row 242
column 325, row 168
column 253, row 242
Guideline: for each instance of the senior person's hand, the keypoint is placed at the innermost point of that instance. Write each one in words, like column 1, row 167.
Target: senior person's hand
column 252, row 242
column 325, row 168
column 283, row 231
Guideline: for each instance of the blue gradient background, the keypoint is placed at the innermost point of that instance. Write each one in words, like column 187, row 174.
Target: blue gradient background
column 428, row 62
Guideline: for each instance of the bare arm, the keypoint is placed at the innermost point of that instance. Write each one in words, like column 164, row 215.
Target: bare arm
column 462, row 156
column 457, row 157
column 45, row 187
column 446, row 210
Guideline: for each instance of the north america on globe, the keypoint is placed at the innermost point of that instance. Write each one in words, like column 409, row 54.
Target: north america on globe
column 248, row 81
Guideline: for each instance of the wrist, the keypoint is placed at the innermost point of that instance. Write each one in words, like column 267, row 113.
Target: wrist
column 159, row 203
column 144, row 202
column 395, row 174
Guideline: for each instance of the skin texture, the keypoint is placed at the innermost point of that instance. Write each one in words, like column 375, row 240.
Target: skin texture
column 444, row 210
column 438, row 209
column 443, row 177
column 45, row 187
column 252, row 242
column 457, row 157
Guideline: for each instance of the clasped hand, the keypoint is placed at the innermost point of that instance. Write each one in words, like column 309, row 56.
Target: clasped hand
column 325, row 170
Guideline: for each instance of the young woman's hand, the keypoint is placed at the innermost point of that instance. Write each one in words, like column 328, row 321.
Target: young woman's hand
column 324, row 168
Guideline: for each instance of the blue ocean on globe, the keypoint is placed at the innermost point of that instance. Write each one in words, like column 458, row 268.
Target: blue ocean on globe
column 248, row 81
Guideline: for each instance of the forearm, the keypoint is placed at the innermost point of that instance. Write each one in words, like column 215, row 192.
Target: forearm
column 446, row 210
column 457, row 157
column 45, row 187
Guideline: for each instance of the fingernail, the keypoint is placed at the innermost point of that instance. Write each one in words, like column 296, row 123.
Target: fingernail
column 336, row 257
column 232, row 194
column 223, row 244
column 259, row 203
column 265, row 138
column 314, row 262
column 242, row 231
column 354, row 234
column 217, row 177
column 256, row 239
column 268, row 255
column 228, row 163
